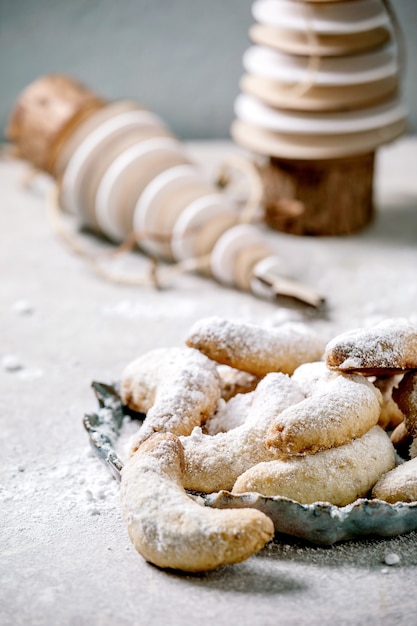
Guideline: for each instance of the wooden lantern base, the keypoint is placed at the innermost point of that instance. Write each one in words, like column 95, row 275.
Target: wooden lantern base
column 324, row 197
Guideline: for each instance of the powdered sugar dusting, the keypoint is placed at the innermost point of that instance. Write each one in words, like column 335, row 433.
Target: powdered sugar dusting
column 141, row 309
column 256, row 349
column 214, row 462
column 391, row 343
column 74, row 484
column 230, row 414
column 338, row 475
column 342, row 408
column 178, row 388
column 170, row 529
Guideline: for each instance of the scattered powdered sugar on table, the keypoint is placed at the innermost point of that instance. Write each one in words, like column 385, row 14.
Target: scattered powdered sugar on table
column 363, row 553
column 23, row 307
column 30, row 373
column 78, row 482
column 392, row 558
column 51, row 510
column 11, row 363
column 125, row 441
column 140, row 309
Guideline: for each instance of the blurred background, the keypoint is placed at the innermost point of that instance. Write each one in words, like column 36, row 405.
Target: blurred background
column 182, row 59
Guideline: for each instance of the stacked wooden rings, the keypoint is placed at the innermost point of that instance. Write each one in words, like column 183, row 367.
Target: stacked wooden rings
column 122, row 173
column 120, row 170
column 125, row 172
column 321, row 80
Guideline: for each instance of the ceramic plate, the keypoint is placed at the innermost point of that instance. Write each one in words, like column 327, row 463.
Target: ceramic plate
column 320, row 523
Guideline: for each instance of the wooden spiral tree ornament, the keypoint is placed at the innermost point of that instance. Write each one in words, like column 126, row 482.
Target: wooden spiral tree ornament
column 319, row 95
column 122, row 173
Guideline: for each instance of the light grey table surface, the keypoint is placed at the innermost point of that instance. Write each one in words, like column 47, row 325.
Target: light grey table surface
column 65, row 555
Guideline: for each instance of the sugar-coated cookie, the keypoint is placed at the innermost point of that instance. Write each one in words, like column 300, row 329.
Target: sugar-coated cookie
column 177, row 388
column 398, row 485
column 388, row 347
column 214, row 462
column 338, row 475
column 338, row 408
column 172, row 530
column 256, row 349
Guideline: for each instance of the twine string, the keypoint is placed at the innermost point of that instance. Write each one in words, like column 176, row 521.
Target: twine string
column 399, row 37
column 300, row 88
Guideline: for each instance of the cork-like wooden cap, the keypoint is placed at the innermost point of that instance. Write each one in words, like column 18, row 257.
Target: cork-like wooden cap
column 47, row 109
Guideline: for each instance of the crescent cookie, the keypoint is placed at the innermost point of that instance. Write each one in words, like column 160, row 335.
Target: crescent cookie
column 341, row 407
column 398, row 485
column 388, row 347
column 214, row 462
column 255, row 349
column 338, row 475
column 172, row 530
column 177, row 388
column 405, row 396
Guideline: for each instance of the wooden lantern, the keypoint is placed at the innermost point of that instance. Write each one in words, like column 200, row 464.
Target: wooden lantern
column 319, row 96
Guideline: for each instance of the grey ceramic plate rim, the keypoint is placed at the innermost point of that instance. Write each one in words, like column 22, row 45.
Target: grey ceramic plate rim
column 320, row 523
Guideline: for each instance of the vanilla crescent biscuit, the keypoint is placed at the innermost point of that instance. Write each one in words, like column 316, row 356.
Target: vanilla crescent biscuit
column 389, row 347
column 341, row 407
column 337, row 475
column 255, row 349
column 177, row 388
column 214, row 462
column 172, row 530
column 398, row 485
column 312, row 376
column 405, row 396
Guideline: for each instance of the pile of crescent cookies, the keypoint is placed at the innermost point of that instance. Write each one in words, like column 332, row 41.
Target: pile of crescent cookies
column 273, row 410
